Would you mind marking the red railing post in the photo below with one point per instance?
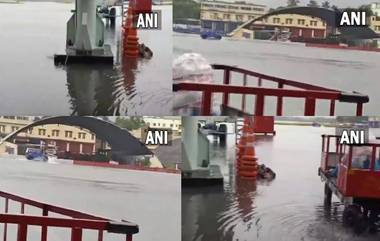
(22, 232)
(100, 235)
(206, 103)
(332, 107)
(5, 224)
(226, 81)
(76, 234)
(129, 237)
(309, 107)
(45, 212)
(22, 208)
(259, 105)
(359, 109)
(279, 101)
(243, 100)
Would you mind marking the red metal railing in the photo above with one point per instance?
(76, 221)
(310, 93)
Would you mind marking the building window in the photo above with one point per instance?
(215, 15)
(171, 125)
(14, 128)
(289, 21)
(239, 17)
(41, 132)
(246, 8)
(163, 125)
(276, 20)
(313, 23)
(55, 133)
(154, 124)
(226, 16)
(92, 136)
(2, 128)
(68, 134)
(301, 21)
(81, 135)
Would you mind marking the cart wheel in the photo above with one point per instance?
(351, 214)
(353, 217)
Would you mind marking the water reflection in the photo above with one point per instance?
(101, 89)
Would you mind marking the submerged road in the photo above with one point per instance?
(290, 208)
(152, 200)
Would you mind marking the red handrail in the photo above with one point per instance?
(77, 221)
(310, 93)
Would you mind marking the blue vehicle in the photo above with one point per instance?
(35, 154)
(209, 34)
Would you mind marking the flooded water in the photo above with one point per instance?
(32, 32)
(337, 69)
(290, 208)
(136, 196)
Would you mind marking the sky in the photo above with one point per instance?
(339, 3)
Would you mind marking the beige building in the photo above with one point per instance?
(224, 16)
(375, 23)
(297, 25)
(172, 123)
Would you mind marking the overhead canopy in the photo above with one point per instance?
(120, 140)
(328, 15)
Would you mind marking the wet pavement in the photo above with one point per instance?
(32, 32)
(331, 68)
(290, 208)
(150, 199)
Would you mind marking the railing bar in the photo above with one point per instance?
(76, 234)
(279, 101)
(5, 224)
(22, 208)
(332, 107)
(226, 81)
(309, 107)
(359, 109)
(22, 232)
(206, 103)
(243, 100)
(44, 228)
(100, 235)
(128, 237)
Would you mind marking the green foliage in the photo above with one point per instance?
(313, 3)
(186, 9)
(130, 123)
(293, 3)
(326, 4)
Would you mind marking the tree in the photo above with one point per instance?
(326, 4)
(293, 3)
(367, 9)
(131, 123)
(312, 3)
(183, 9)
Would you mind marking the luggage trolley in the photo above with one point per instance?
(352, 173)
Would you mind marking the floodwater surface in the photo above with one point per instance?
(151, 200)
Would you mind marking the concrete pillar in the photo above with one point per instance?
(190, 142)
(85, 35)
